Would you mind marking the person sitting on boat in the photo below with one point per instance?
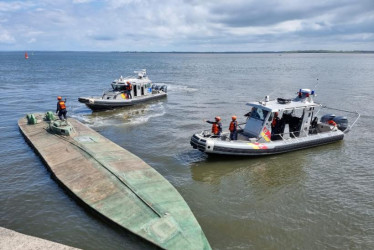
(61, 108)
(233, 128)
(128, 90)
(216, 126)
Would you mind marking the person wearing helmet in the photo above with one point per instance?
(216, 126)
(233, 129)
(61, 108)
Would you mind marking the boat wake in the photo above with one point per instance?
(131, 116)
(154, 110)
(179, 88)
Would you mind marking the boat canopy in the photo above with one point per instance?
(276, 105)
(140, 80)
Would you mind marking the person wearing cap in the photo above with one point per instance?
(233, 128)
(216, 126)
(61, 108)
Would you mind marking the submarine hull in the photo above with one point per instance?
(115, 184)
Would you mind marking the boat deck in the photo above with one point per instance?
(116, 184)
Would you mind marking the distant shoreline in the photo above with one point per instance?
(210, 52)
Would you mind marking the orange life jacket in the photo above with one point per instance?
(62, 104)
(129, 86)
(233, 126)
(331, 122)
(215, 129)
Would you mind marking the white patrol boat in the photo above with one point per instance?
(126, 91)
(278, 126)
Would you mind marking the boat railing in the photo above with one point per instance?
(208, 134)
(127, 77)
(293, 135)
(347, 111)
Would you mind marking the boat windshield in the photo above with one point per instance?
(259, 114)
(118, 87)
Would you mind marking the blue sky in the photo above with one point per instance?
(186, 25)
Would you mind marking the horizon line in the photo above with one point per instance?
(202, 52)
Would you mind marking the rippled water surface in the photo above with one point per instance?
(318, 198)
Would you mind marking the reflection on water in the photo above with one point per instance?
(260, 171)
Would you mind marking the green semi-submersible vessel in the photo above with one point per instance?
(113, 182)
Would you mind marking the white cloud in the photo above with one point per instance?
(32, 40)
(81, 1)
(123, 3)
(6, 37)
(15, 6)
(185, 25)
(280, 28)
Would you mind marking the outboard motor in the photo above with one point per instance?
(164, 88)
(327, 118)
(341, 122)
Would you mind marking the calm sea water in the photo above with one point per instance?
(318, 198)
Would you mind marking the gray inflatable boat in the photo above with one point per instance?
(298, 125)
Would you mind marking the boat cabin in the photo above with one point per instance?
(140, 86)
(277, 119)
(126, 91)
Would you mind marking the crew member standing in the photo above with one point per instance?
(275, 127)
(233, 129)
(216, 126)
(61, 108)
(128, 90)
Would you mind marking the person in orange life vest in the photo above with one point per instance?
(216, 126)
(128, 90)
(331, 122)
(233, 128)
(61, 108)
